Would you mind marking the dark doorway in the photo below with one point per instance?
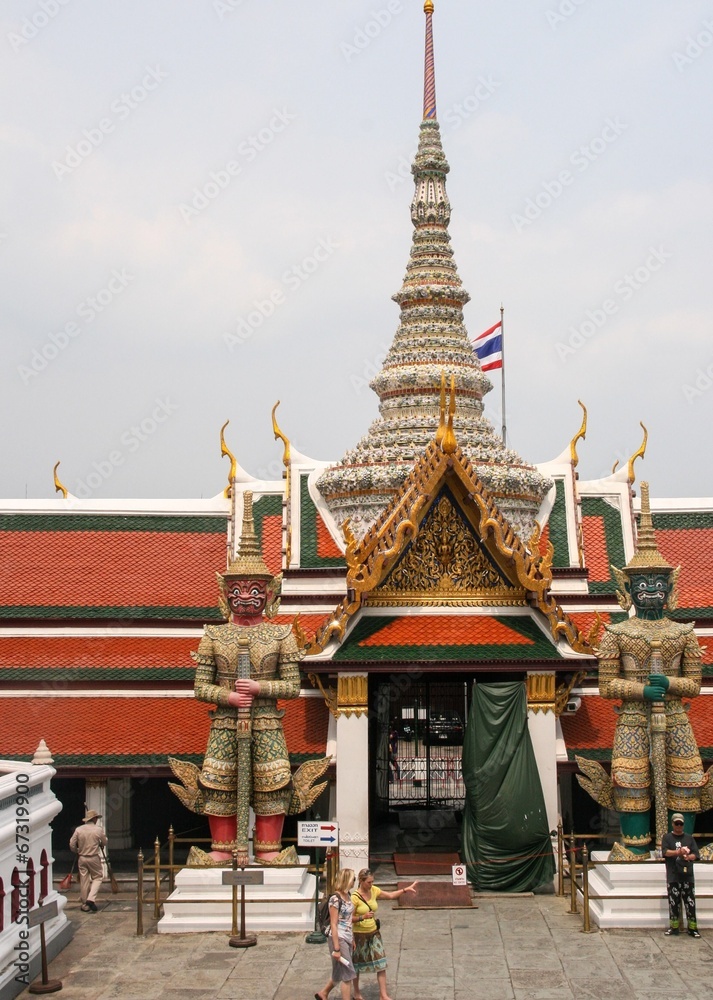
(417, 743)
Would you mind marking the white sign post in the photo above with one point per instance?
(459, 875)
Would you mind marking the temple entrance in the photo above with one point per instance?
(416, 752)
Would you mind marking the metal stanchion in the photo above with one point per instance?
(560, 859)
(171, 881)
(573, 875)
(586, 927)
(140, 896)
(157, 878)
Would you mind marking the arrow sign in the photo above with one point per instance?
(311, 834)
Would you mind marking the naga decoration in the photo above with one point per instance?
(243, 667)
(650, 663)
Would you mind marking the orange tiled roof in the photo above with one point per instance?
(446, 630)
(592, 727)
(309, 623)
(271, 542)
(125, 730)
(46, 569)
(445, 638)
(585, 619)
(595, 548)
(692, 549)
(84, 656)
(326, 546)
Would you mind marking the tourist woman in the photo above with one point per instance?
(340, 936)
(369, 954)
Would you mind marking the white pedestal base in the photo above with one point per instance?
(641, 882)
(185, 910)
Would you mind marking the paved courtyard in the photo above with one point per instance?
(510, 948)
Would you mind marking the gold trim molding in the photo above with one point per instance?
(541, 692)
(352, 693)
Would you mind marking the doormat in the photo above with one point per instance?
(425, 863)
(436, 896)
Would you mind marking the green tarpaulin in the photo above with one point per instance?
(506, 841)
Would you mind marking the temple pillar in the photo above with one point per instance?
(117, 821)
(95, 798)
(352, 793)
(542, 724)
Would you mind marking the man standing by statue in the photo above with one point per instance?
(649, 662)
(243, 667)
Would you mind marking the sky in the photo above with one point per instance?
(205, 210)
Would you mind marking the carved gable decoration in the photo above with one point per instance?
(445, 563)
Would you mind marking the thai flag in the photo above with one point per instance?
(488, 348)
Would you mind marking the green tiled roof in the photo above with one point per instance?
(309, 556)
(430, 639)
(614, 540)
(557, 525)
(203, 524)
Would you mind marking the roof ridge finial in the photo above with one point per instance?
(429, 69)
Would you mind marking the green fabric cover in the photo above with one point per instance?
(506, 841)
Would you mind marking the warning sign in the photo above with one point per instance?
(459, 876)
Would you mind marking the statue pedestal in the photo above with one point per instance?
(187, 909)
(644, 885)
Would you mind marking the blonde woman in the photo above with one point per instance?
(341, 936)
(369, 954)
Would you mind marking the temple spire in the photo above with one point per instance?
(430, 342)
(429, 70)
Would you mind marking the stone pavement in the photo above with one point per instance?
(510, 948)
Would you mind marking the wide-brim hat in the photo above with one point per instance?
(92, 814)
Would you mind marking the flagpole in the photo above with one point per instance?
(502, 369)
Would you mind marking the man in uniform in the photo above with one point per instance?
(88, 842)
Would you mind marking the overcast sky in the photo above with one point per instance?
(205, 209)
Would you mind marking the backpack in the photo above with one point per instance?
(323, 921)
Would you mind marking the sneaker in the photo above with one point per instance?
(92, 906)
(693, 933)
(671, 932)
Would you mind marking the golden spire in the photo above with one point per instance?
(225, 450)
(580, 435)
(440, 433)
(449, 439)
(428, 7)
(647, 557)
(248, 564)
(637, 454)
(58, 486)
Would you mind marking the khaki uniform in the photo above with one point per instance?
(86, 842)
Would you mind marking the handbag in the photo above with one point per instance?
(684, 866)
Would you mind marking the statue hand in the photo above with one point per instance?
(247, 687)
(654, 692)
(659, 680)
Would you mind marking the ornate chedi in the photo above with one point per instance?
(650, 663)
(431, 339)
